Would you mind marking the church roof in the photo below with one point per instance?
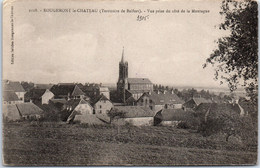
(139, 81)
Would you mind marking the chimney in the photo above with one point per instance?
(158, 92)
(172, 92)
(164, 91)
(150, 92)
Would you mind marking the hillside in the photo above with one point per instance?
(60, 144)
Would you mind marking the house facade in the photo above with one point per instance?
(39, 96)
(160, 100)
(134, 115)
(77, 107)
(102, 105)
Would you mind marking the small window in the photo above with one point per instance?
(94, 112)
(100, 106)
(100, 111)
(150, 101)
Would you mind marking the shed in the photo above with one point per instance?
(135, 115)
(172, 117)
(30, 111)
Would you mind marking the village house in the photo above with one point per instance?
(76, 109)
(134, 115)
(9, 97)
(160, 100)
(93, 90)
(22, 111)
(131, 87)
(195, 102)
(67, 91)
(174, 117)
(16, 87)
(37, 96)
(101, 105)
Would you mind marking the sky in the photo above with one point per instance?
(168, 48)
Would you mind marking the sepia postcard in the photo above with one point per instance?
(129, 83)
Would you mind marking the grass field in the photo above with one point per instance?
(50, 143)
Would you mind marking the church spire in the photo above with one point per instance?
(122, 59)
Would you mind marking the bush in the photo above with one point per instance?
(183, 125)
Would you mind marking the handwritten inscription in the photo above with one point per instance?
(142, 18)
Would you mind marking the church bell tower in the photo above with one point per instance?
(122, 80)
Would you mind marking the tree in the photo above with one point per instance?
(225, 119)
(236, 58)
(116, 114)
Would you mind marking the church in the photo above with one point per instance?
(131, 88)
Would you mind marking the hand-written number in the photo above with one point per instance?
(142, 18)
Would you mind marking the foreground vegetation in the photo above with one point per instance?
(50, 143)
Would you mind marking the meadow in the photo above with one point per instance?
(60, 144)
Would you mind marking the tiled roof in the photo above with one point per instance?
(174, 115)
(48, 107)
(29, 109)
(88, 119)
(62, 101)
(135, 111)
(201, 100)
(167, 98)
(73, 103)
(14, 86)
(139, 80)
(98, 98)
(10, 96)
(65, 89)
(130, 100)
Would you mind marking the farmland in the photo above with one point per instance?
(50, 143)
